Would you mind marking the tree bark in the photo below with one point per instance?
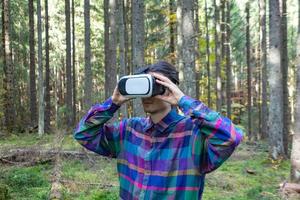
(197, 49)
(73, 63)
(47, 69)
(172, 12)
(138, 43)
(68, 65)
(122, 50)
(88, 84)
(40, 69)
(33, 102)
(275, 81)
(111, 68)
(228, 59)
(106, 42)
(284, 67)
(8, 69)
(217, 55)
(249, 71)
(188, 48)
(179, 39)
(263, 44)
(207, 56)
(295, 154)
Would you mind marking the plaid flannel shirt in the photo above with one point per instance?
(166, 160)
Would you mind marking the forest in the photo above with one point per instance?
(241, 58)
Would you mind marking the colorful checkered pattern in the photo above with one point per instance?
(166, 160)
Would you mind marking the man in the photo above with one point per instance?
(166, 155)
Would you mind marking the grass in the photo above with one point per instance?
(230, 182)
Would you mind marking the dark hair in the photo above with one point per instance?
(162, 67)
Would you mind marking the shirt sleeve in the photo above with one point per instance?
(95, 134)
(217, 137)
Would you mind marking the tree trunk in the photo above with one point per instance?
(73, 62)
(188, 48)
(223, 48)
(217, 55)
(179, 39)
(197, 49)
(249, 71)
(40, 69)
(47, 69)
(207, 55)
(8, 71)
(228, 60)
(263, 44)
(88, 84)
(123, 66)
(138, 43)
(284, 67)
(68, 65)
(275, 81)
(106, 43)
(172, 13)
(295, 154)
(33, 102)
(111, 68)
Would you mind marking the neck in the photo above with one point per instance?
(156, 117)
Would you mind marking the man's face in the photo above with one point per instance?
(154, 105)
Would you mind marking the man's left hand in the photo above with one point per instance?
(173, 93)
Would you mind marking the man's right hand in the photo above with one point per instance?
(117, 98)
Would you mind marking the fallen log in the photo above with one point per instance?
(19, 154)
(56, 186)
(27, 163)
(99, 185)
(290, 187)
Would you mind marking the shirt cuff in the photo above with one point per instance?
(113, 107)
(185, 103)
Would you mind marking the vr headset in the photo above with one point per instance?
(141, 85)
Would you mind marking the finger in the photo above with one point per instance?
(168, 85)
(162, 77)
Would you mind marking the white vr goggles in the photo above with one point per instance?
(142, 85)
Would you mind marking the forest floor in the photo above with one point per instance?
(248, 174)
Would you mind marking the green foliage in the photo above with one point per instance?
(27, 183)
(4, 192)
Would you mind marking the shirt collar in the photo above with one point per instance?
(165, 122)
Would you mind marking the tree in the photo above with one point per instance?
(73, 62)
(8, 68)
(33, 102)
(249, 71)
(172, 13)
(217, 54)
(197, 48)
(207, 55)
(106, 42)
(40, 70)
(284, 67)
(228, 60)
(68, 65)
(295, 154)
(111, 68)
(88, 84)
(275, 82)
(122, 50)
(263, 46)
(47, 69)
(188, 48)
(138, 43)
